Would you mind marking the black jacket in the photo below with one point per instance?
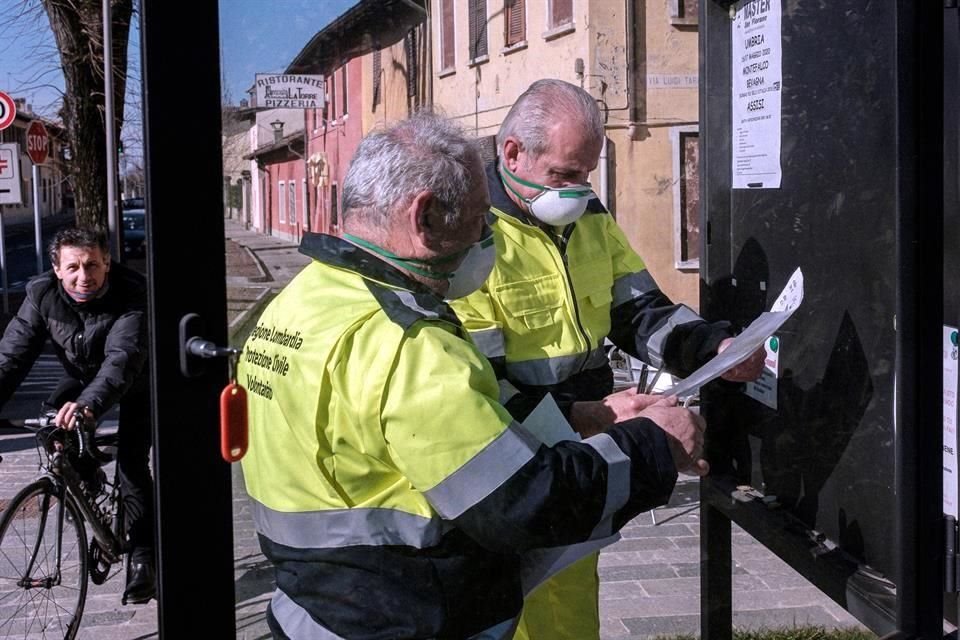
(101, 342)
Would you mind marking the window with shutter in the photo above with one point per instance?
(332, 102)
(514, 22)
(410, 49)
(343, 90)
(447, 49)
(478, 28)
(561, 13)
(376, 77)
(684, 12)
(686, 196)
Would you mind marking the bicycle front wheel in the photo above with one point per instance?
(43, 586)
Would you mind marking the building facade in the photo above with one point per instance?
(637, 58)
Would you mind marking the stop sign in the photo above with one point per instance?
(38, 142)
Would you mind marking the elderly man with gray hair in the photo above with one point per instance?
(566, 280)
(394, 494)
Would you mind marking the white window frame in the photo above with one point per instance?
(555, 31)
(676, 134)
(344, 93)
(303, 195)
(282, 201)
(441, 71)
(292, 196)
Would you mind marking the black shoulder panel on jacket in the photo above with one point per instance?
(407, 307)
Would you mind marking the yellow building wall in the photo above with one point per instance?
(641, 166)
(667, 98)
(394, 103)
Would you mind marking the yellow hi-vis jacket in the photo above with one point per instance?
(393, 493)
(541, 318)
(552, 298)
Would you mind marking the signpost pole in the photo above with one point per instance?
(38, 242)
(113, 222)
(3, 266)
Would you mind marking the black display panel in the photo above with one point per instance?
(835, 463)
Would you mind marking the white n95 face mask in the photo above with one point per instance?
(477, 263)
(556, 206)
(475, 268)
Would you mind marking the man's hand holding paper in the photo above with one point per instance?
(746, 348)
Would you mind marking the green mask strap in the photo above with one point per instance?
(420, 267)
(563, 192)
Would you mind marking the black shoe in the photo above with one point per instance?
(141, 583)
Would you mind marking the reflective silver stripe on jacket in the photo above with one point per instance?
(337, 528)
(298, 624)
(658, 340)
(507, 391)
(618, 480)
(632, 285)
(489, 342)
(483, 473)
(548, 371)
(411, 302)
(500, 631)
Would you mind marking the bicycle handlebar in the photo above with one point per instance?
(86, 433)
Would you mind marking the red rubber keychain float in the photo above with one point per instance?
(233, 415)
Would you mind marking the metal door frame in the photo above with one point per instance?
(186, 274)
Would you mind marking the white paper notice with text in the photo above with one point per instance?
(743, 346)
(756, 70)
(950, 421)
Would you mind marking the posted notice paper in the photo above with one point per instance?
(756, 70)
(752, 338)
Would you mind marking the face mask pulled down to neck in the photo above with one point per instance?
(472, 272)
(556, 206)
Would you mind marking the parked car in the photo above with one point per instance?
(134, 203)
(134, 233)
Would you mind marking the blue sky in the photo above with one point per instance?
(256, 36)
(263, 36)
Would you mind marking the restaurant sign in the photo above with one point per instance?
(289, 91)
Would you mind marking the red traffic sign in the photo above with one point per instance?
(8, 111)
(38, 142)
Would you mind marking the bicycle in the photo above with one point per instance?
(45, 560)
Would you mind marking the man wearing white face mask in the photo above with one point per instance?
(395, 496)
(566, 279)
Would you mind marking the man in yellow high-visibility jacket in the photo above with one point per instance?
(394, 494)
(566, 279)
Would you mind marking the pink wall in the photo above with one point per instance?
(337, 138)
(286, 172)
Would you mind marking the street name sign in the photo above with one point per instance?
(38, 142)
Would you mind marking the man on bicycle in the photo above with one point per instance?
(94, 314)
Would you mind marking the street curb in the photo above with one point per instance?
(264, 276)
(239, 327)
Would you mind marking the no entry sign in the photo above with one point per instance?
(38, 142)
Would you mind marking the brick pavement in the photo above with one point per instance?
(649, 580)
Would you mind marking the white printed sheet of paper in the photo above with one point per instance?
(764, 389)
(950, 370)
(757, 76)
(747, 342)
(547, 423)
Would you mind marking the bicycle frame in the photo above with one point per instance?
(66, 481)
